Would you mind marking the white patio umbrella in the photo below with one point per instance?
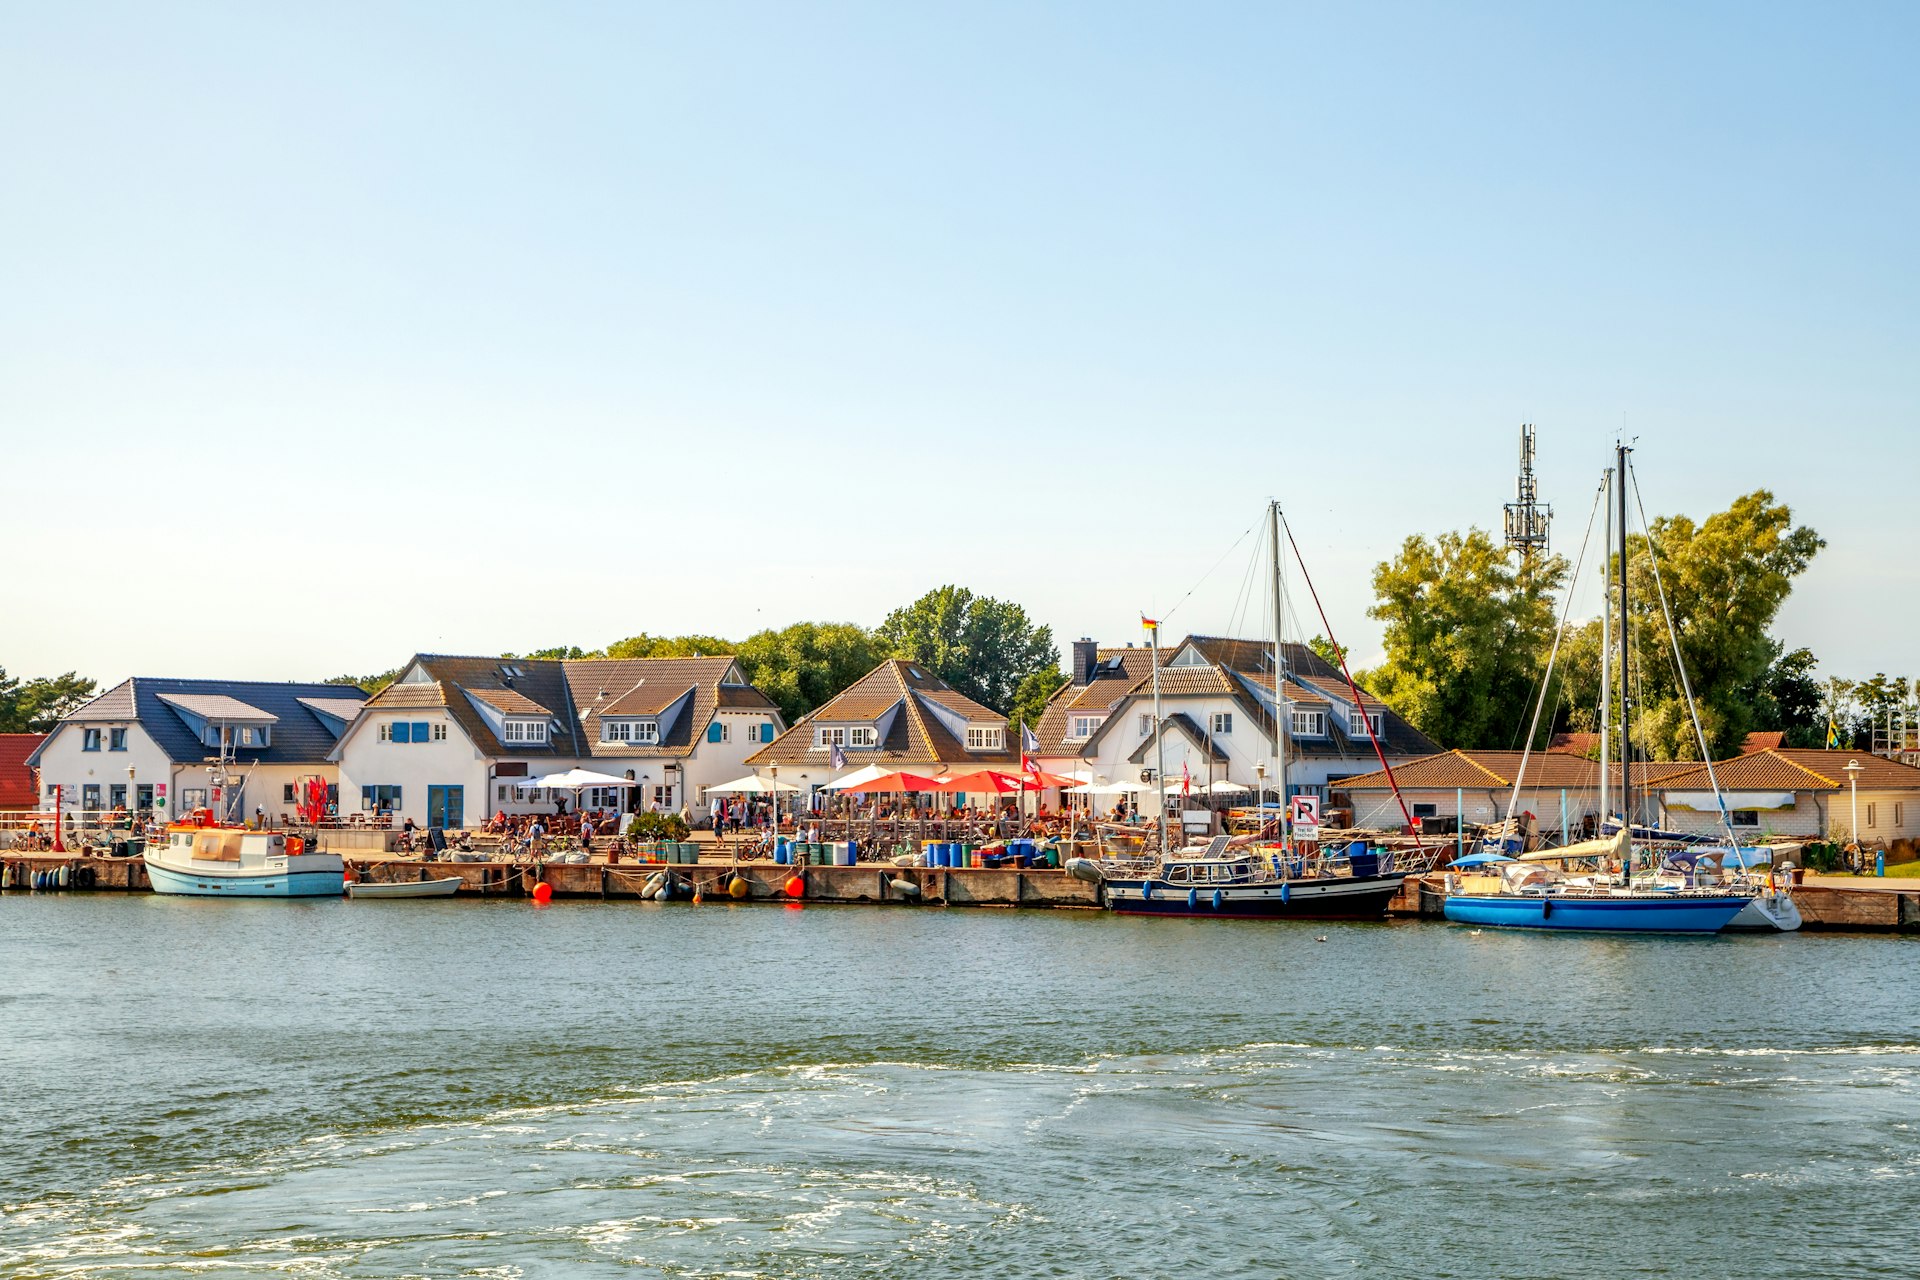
(752, 784)
(1120, 788)
(858, 777)
(576, 779)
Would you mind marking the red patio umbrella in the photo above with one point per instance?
(987, 780)
(893, 783)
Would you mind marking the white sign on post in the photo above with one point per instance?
(1306, 817)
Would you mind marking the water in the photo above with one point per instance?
(440, 1089)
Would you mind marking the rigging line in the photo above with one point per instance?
(1553, 654)
(1203, 577)
(1686, 685)
(1352, 688)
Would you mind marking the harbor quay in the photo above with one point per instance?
(1826, 902)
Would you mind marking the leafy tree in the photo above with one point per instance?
(1328, 652)
(803, 665)
(1877, 699)
(372, 684)
(559, 652)
(981, 646)
(646, 646)
(1788, 698)
(36, 705)
(1031, 698)
(1466, 637)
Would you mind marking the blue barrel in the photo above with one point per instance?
(943, 852)
(934, 854)
(780, 851)
(853, 852)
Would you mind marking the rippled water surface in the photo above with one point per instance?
(490, 1089)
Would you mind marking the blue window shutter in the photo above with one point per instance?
(420, 731)
(766, 732)
(713, 732)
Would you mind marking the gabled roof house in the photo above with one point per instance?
(146, 743)
(453, 738)
(897, 716)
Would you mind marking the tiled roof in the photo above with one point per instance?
(1797, 769)
(1763, 740)
(541, 682)
(338, 708)
(1478, 770)
(215, 706)
(17, 787)
(510, 702)
(1232, 665)
(916, 736)
(300, 736)
(648, 687)
(1185, 724)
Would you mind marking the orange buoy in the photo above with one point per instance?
(738, 887)
(543, 892)
(796, 887)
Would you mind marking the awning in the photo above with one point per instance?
(866, 773)
(753, 784)
(575, 779)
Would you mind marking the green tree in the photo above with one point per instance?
(803, 665)
(559, 652)
(1330, 653)
(372, 684)
(1031, 698)
(36, 705)
(646, 646)
(1466, 637)
(981, 646)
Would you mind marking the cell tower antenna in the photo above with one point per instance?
(1528, 519)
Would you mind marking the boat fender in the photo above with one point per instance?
(905, 888)
(738, 887)
(653, 884)
(1286, 892)
(1146, 891)
(1193, 899)
(1217, 899)
(1084, 869)
(66, 875)
(1546, 907)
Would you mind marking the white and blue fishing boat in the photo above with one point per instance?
(207, 860)
(1527, 893)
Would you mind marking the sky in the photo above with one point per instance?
(334, 333)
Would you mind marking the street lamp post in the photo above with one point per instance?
(1853, 785)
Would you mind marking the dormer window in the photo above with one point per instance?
(830, 736)
(1080, 728)
(986, 739)
(1357, 724)
(861, 736)
(525, 731)
(251, 736)
(1309, 724)
(640, 731)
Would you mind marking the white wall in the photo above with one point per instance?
(414, 766)
(62, 762)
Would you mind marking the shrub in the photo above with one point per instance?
(1820, 856)
(656, 826)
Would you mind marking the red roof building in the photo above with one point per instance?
(19, 788)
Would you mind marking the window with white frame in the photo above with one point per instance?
(525, 731)
(1223, 722)
(439, 731)
(860, 736)
(646, 731)
(1080, 728)
(1358, 724)
(386, 731)
(616, 731)
(829, 736)
(1309, 724)
(986, 739)
(753, 732)
(1146, 722)
(1873, 815)
(725, 731)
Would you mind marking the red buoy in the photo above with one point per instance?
(543, 892)
(796, 887)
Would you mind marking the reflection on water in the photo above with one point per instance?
(433, 1089)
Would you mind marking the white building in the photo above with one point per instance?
(1216, 702)
(147, 744)
(453, 739)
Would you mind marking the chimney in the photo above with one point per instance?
(1085, 654)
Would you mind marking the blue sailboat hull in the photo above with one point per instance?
(1643, 914)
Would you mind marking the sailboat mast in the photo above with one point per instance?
(1159, 735)
(1606, 659)
(1279, 676)
(1626, 710)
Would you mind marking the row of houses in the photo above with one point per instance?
(456, 738)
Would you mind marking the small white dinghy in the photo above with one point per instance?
(442, 888)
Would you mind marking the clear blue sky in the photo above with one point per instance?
(482, 327)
